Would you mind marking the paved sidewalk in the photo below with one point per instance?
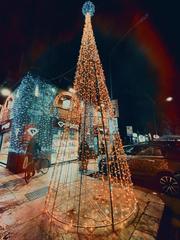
(21, 206)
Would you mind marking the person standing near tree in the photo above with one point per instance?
(32, 152)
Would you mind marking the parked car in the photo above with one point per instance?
(168, 138)
(157, 161)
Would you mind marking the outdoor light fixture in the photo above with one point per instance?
(5, 92)
(169, 99)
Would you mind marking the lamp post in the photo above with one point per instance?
(169, 99)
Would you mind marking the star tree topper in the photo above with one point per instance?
(88, 7)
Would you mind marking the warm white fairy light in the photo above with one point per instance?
(108, 200)
(85, 81)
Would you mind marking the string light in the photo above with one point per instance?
(88, 69)
(32, 109)
(114, 202)
(36, 92)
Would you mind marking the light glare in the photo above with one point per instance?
(169, 99)
(5, 92)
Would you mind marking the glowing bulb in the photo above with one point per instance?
(5, 92)
(36, 92)
(169, 99)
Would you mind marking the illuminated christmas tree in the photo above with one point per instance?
(93, 194)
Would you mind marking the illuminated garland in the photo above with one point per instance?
(91, 89)
(32, 109)
(76, 201)
(88, 69)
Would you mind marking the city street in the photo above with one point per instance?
(89, 120)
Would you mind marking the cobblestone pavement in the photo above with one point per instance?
(21, 207)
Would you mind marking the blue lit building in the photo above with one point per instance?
(33, 115)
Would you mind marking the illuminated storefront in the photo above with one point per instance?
(32, 119)
(17, 132)
(36, 109)
(65, 148)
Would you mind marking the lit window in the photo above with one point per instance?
(66, 104)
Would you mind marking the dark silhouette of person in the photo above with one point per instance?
(33, 151)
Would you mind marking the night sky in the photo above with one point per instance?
(143, 64)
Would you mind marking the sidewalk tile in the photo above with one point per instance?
(138, 235)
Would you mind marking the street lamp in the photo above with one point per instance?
(169, 99)
(5, 92)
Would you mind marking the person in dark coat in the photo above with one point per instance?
(33, 151)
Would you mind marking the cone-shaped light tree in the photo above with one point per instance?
(95, 192)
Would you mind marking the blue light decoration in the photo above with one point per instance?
(88, 7)
(33, 109)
